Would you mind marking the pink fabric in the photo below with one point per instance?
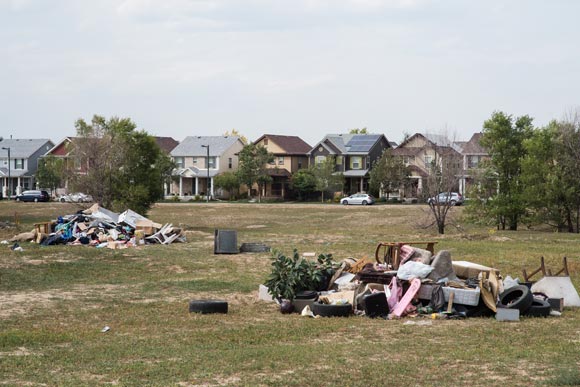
(396, 293)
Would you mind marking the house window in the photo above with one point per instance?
(178, 162)
(18, 163)
(428, 160)
(280, 160)
(195, 161)
(230, 163)
(473, 161)
(320, 159)
(408, 160)
(368, 163)
(356, 162)
(299, 164)
(338, 160)
(211, 162)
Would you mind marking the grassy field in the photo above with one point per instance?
(55, 300)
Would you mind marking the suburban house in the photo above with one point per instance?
(19, 162)
(290, 155)
(354, 156)
(167, 144)
(473, 156)
(199, 159)
(420, 152)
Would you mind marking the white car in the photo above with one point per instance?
(363, 199)
(77, 197)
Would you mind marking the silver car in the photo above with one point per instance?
(363, 199)
(453, 198)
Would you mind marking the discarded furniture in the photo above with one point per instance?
(43, 227)
(542, 268)
(225, 242)
(558, 285)
(390, 252)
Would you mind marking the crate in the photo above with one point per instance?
(462, 296)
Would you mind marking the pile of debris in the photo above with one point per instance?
(99, 227)
(409, 281)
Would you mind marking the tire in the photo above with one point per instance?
(35, 200)
(364, 203)
(453, 202)
(539, 308)
(518, 297)
(326, 310)
(208, 306)
(345, 202)
(62, 200)
(17, 199)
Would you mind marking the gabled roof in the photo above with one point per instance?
(61, 148)
(436, 140)
(473, 147)
(292, 145)
(167, 144)
(192, 145)
(24, 148)
(345, 144)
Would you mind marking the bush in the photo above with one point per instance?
(291, 275)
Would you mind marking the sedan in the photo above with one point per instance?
(33, 196)
(453, 198)
(363, 199)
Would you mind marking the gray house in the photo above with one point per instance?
(201, 157)
(354, 155)
(19, 162)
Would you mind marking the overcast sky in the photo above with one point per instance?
(300, 67)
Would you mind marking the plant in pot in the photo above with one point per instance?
(293, 274)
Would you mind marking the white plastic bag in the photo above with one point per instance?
(413, 269)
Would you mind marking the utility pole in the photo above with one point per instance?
(9, 179)
(207, 166)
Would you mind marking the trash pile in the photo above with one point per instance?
(410, 281)
(99, 227)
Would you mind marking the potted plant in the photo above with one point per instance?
(292, 274)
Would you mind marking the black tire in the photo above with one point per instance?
(345, 202)
(518, 297)
(364, 203)
(17, 199)
(35, 200)
(208, 306)
(326, 310)
(62, 200)
(539, 308)
(453, 202)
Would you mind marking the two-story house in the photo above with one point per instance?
(473, 156)
(201, 158)
(290, 155)
(354, 155)
(420, 152)
(19, 162)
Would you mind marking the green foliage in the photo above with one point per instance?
(388, 174)
(252, 167)
(228, 181)
(304, 182)
(358, 131)
(325, 177)
(51, 172)
(291, 275)
(504, 138)
(124, 168)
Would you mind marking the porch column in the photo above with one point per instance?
(211, 188)
(196, 186)
(361, 184)
(18, 187)
(420, 185)
(180, 186)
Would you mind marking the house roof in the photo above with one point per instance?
(437, 140)
(194, 172)
(192, 145)
(167, 144)
(292, 145)
(355, 173)
(24, 148)
(350, 143)
(473, 146)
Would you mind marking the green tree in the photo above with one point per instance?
(388, 174)
(358, 131)
(123, 167)
(304, 182)
(326, 178)
(228, 181)
(50, 172)
(252, 167)
(504, 137)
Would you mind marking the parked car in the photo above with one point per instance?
(33, 196)
(77, 197)
(453, 198)
(363, 199)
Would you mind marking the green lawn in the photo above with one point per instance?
(54, 301)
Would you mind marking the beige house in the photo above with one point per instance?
(290, 155)
(199, 159)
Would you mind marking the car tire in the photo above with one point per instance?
(325, 310)
(208, 306)
(539, 308)
(17, 199)
(35, 200)
(345, 202)
(453, 202)
(518, 297)
(364, 203)
(62, 200)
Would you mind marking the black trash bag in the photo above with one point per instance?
(437, 298)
